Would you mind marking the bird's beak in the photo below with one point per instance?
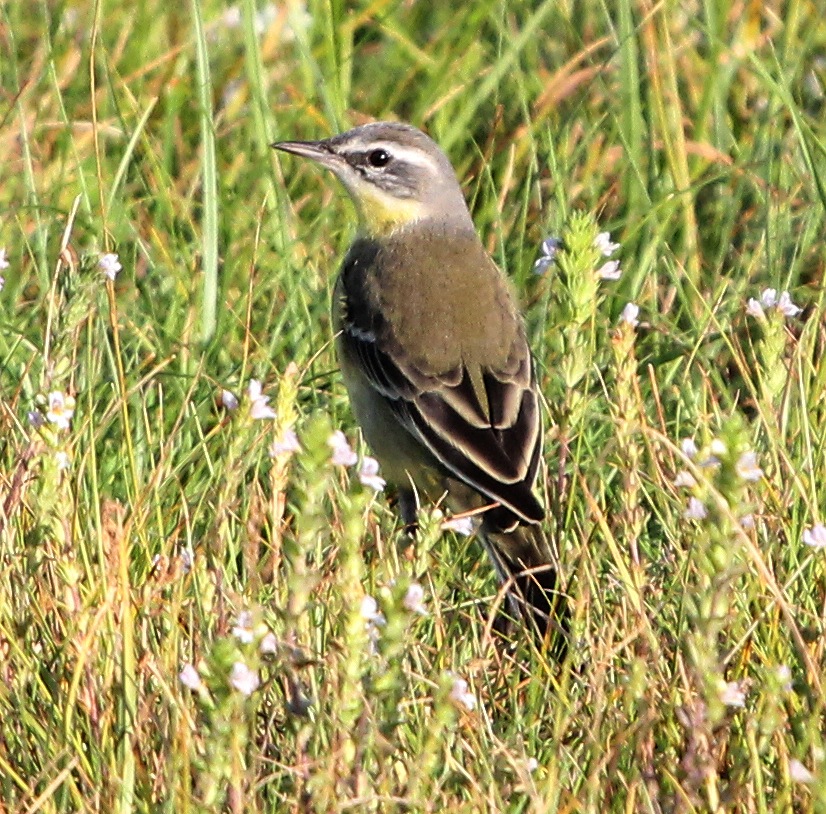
(318, 151)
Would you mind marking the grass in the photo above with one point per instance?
(157, 531)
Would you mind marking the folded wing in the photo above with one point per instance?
(481, 424)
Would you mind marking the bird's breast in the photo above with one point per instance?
(443, 301)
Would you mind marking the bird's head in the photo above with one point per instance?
(395, 174)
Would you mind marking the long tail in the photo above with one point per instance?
(524, 560)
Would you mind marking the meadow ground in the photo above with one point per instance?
(202, 610)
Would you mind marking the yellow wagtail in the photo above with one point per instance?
(434, 354)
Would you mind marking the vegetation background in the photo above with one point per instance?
(194, 620)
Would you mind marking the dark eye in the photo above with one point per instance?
(378, 158)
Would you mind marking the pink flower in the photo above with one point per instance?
(343, 454)
(610, 270)
(189, 678)
(259, 409)
(287, 444)
(604, 244)
(461, 695)
(110, 265)
(369, 474)
(243, 679)
(629, 314)
(815, 537)
(696, 510)
(414, 599)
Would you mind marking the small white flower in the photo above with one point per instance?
(629, 314)
(799, 773)
(696, 510)
(243, 679)
(718, 447)
(685, 479)
(268, 644)
(755, 309)
(2, 282)
(343, 455)
(259, 409)
(4, 263)
(604, 244)
(747, 521)
(232, 17)
(298, 21)
(61, 409)
(369, 474)
(610, 270)
(550, 247)
(370, 612)
(229, 400)
(747, 467)
(461, 695)
(532, 765)
(243, 628)
(414, 599)
(110, 265)
(786, 306)
(63, 461)
(463, 525)
(732, 694)
(287, 444)
(768, 299)
(784, 677)
(815, 536)
(187, 558)
(265, 18)
(689, 447)
(190, 678)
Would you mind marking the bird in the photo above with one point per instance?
(435, 357)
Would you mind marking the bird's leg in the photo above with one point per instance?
(409, 511)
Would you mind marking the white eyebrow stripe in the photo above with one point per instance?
(410, 155)
(400, 152)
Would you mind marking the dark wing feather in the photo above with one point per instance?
(499, 461)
